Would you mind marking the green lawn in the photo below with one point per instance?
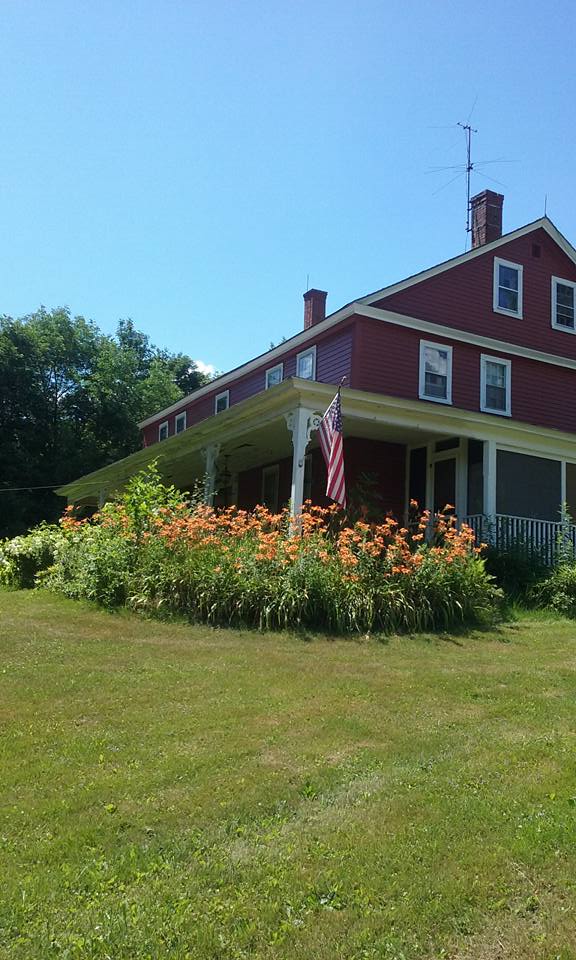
(169, 791)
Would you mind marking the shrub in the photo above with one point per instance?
(558, 591)
(154, 552)
(516, 570)
(24, 558)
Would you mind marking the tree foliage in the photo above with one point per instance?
(70, 401)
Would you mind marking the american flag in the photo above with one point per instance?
(330, 432)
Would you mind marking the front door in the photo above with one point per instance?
(444, 484)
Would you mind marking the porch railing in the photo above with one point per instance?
(546, 539)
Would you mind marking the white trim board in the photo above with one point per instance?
(463, 336)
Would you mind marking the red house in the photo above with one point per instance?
(456, 385)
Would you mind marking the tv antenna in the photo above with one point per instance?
(468, 131)
(467, 169)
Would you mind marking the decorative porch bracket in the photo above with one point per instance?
(210, 456)
(301, 422)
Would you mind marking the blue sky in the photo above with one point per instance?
(189, 164)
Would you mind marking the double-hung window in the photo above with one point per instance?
(180, 422)
(222, 401)
(495, 385)
(563, 302)
(306, 364)
(163, 431)
(435, 372)
(274, 375)
(507, 288)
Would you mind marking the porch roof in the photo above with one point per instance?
(370, 415)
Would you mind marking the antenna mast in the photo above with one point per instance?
(468, 131)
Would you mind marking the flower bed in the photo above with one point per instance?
(152, 550)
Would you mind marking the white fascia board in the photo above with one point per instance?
(438, 330)
(544, 223)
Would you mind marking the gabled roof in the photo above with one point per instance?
(301, 338)
(544, 223)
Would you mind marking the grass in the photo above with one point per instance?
(170, 791)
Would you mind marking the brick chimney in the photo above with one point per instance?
(314, 307)
(486, 217)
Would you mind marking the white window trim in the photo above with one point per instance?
(270, 370)
(422, 373)
(304, 353)
(274, 471)
(498, 262)
(555, 324)
(180, 416)
(484, 358)
(160, 427)
(221, 396)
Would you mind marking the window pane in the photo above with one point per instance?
(305, 366)
(508, 288)
(508, 299)
(495, 374)
(564, 305)
(436, 361)
(495, 397)
(222, 403)
(273, 377)
(508, 278)
(436, 386)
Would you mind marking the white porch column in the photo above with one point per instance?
(210, 455)
(301, 422)
(489, 485)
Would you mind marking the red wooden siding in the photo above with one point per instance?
(462, 297)
(385, 461)
(333, 361)
(387, 361)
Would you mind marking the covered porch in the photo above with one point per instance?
(507, 479)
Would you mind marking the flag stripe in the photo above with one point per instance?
(332, 446)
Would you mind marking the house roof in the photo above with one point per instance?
(305, 336)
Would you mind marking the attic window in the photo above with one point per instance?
(180, 422)
(222, 402)
(274, 375)
(163, 431)
(306, 364)
(563, 303)
(507, 288)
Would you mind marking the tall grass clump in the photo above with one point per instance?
(151, 550)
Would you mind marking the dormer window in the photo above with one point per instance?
(163, 431)
(563, 302)
(507, 288)
(222, 402)
(306, 364)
